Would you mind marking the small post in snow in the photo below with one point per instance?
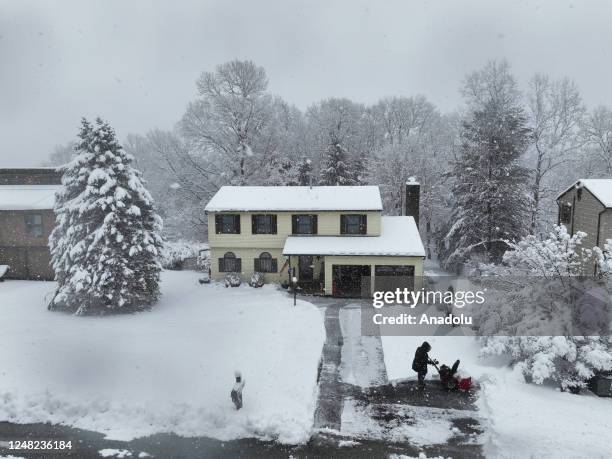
(294, 281)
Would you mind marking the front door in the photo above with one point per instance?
(306, 268)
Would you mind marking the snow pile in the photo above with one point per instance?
(167, 370)
(110, 452)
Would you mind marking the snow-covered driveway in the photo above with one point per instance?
(167, 370)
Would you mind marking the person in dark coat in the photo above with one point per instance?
(420, 362)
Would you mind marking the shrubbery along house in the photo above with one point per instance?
(333, 239)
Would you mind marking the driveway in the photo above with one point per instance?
(358, 407)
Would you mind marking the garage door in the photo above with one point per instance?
(392, 277)
(27, 262)
(351, 281)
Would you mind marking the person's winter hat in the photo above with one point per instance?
(426, 345)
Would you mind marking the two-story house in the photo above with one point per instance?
(333, 239)
(587, 206)
(27, 197)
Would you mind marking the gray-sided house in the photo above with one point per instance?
(27, 197)
(587, 206)
(333, 239)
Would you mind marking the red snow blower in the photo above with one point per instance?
(450, 380)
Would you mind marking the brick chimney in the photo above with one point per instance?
(411, 199)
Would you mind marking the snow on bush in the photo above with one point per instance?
(174, 253)
(539, 306)
(106, 244)
(257, 280)
(232, 280)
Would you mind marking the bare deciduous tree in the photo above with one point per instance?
(556, 111)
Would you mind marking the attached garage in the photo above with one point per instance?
(359, 265)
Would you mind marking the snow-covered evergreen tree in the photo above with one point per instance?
(106, 245)
(490, 185)
(335, 167)
(303, 172)
(547, 324)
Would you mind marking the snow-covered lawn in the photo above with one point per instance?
(167, 370)
(524, 420)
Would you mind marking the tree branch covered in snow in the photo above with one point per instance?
(552, 312)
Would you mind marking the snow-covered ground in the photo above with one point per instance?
(167, 370)
(523, 420)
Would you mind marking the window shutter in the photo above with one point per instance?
(221, 265)
(237, 223)
(274, 265)
(253, 224)
(257, 265)
(274, 231)
(342, 224)
(364, 224)
(294, 224)
(218, 223)
(239, 265)
(314, 224)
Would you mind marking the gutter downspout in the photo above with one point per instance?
(573, 214)
(598, 233)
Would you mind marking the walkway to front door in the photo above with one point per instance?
(305, 268)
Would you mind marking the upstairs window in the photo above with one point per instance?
(265, 263)
(33, 225)
(304, 224)
(565, 213)
(229, 263)
(353, 224)
(227, 224)
(263, 224)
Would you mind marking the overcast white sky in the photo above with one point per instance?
(135, 62)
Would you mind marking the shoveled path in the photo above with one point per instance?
(328, 412)
(353, 370)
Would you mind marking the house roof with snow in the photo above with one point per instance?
(600, 188)
(295, 198)
(27, 197)
(399, 237)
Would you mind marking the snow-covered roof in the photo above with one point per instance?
(399, 238)
(295, 198)
(27, 197)
(600, 188)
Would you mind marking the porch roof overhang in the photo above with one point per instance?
(399, 238)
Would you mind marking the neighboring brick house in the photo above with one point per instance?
(333, 238)
(587, 206)
(26, 221)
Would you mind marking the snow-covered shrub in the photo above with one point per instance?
(106, 244)
(543, 304)
(174, 253)
(257, 279)
(203, 260)
(232, 280)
